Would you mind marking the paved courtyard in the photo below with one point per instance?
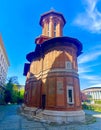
(10, 120)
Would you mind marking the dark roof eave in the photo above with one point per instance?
(26, 68)
(52, 12)
(75, 41)
(50, 43)
(29, 56)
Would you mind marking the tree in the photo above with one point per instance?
(7, 96)
(12, 92)
(20, 96)
(89, 97)
(83, 97)
(13, 80)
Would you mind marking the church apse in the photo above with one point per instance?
(52, 80)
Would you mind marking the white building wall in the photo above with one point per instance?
(94, 92)
(4, 63)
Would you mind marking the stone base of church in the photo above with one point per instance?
(64, 116)
(53, 116)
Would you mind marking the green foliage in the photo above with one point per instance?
(97, 101)
(92, 107)
(13, 93)
(7, 96)
(89, 98)
(20, 96)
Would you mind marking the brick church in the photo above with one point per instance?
(52, 80)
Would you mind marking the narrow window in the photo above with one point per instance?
(54, 26)
(48, 26)
(54, 29)
(70, 95)
(48, 29)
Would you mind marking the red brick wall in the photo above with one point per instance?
(45, 74)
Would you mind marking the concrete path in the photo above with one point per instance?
(10, 120)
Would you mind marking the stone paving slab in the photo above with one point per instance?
(10, 120)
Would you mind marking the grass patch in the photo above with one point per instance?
(94, 107)
(97, 102)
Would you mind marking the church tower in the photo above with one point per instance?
(52, 24)
(52, 80)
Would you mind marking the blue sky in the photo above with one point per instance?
(19, 26)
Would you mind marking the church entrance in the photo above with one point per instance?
(43, 101)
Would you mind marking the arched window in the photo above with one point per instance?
(68, 65)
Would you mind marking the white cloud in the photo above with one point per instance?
(91, 18)
(83, 69)
(90, 77)
(91, 80)
(89, 57)
(96, 85)
(96, 81)
(89, 67)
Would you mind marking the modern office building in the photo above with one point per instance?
(52, 81)
(94, 92)
(4, 64)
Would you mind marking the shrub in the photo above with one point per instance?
(92, 107)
